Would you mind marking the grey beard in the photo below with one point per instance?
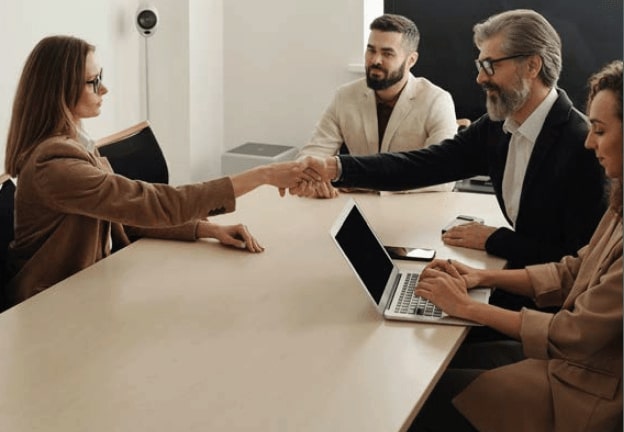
(505, 103)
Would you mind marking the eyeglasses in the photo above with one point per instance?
(488, 64)
(96, 82)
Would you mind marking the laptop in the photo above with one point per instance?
(391, 289)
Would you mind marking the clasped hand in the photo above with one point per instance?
(307, 177)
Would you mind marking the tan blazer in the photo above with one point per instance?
(70, 206)
(572, 380)
(424, 114)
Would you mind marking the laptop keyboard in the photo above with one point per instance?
(412, 304)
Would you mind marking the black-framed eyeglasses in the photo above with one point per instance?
(488, 64)
(96, 82)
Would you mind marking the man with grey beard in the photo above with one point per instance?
(530, 143)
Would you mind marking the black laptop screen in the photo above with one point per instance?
(366, 255)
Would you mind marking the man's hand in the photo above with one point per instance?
(286, 175)
(325, 168)
(282, 175)
(472, 235)
(317, 168)
(323, 190)
(307, 189)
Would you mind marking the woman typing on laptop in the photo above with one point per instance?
(565, 374)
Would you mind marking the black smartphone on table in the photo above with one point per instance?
(410, 253)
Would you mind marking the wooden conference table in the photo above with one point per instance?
(180, 336)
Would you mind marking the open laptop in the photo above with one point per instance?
(391, 290)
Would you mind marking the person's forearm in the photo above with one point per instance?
(502, 320)
(249, 180)
(204, 229)
(334, 168)
(513, 281)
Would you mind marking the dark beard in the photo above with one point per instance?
(390, 80)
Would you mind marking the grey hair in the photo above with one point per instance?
(525, 32)
(399, 24)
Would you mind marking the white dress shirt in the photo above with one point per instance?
(85, 139)
(521, 145)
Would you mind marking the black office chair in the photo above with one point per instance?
(7, 206)
(135, 153)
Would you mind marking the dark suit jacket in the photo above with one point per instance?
(562, 197)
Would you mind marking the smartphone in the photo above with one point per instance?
(460, 220)
(410, 253)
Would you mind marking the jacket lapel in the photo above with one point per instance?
(368, 115)
(401, 109)
(499, 142)
(613, 233)
(549, 134)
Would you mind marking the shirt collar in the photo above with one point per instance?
(532, 126)
(85, 139)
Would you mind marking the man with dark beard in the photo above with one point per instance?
(530, 143)
(390, 109)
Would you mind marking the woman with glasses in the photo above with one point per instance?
(71, 210)
(565, 374)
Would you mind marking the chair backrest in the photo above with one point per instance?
(7, 206)
(135, 153)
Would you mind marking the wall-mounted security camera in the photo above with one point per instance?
(146, 20)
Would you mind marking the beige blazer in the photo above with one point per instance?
(572, 379)
(70, 207)
(424, 114)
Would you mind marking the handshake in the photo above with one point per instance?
(306, 177)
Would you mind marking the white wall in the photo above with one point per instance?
(109, 25)
(106, 24)
(283, 61)
(206, 88)
(168, 82)
(221, 73)
(185, 80)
